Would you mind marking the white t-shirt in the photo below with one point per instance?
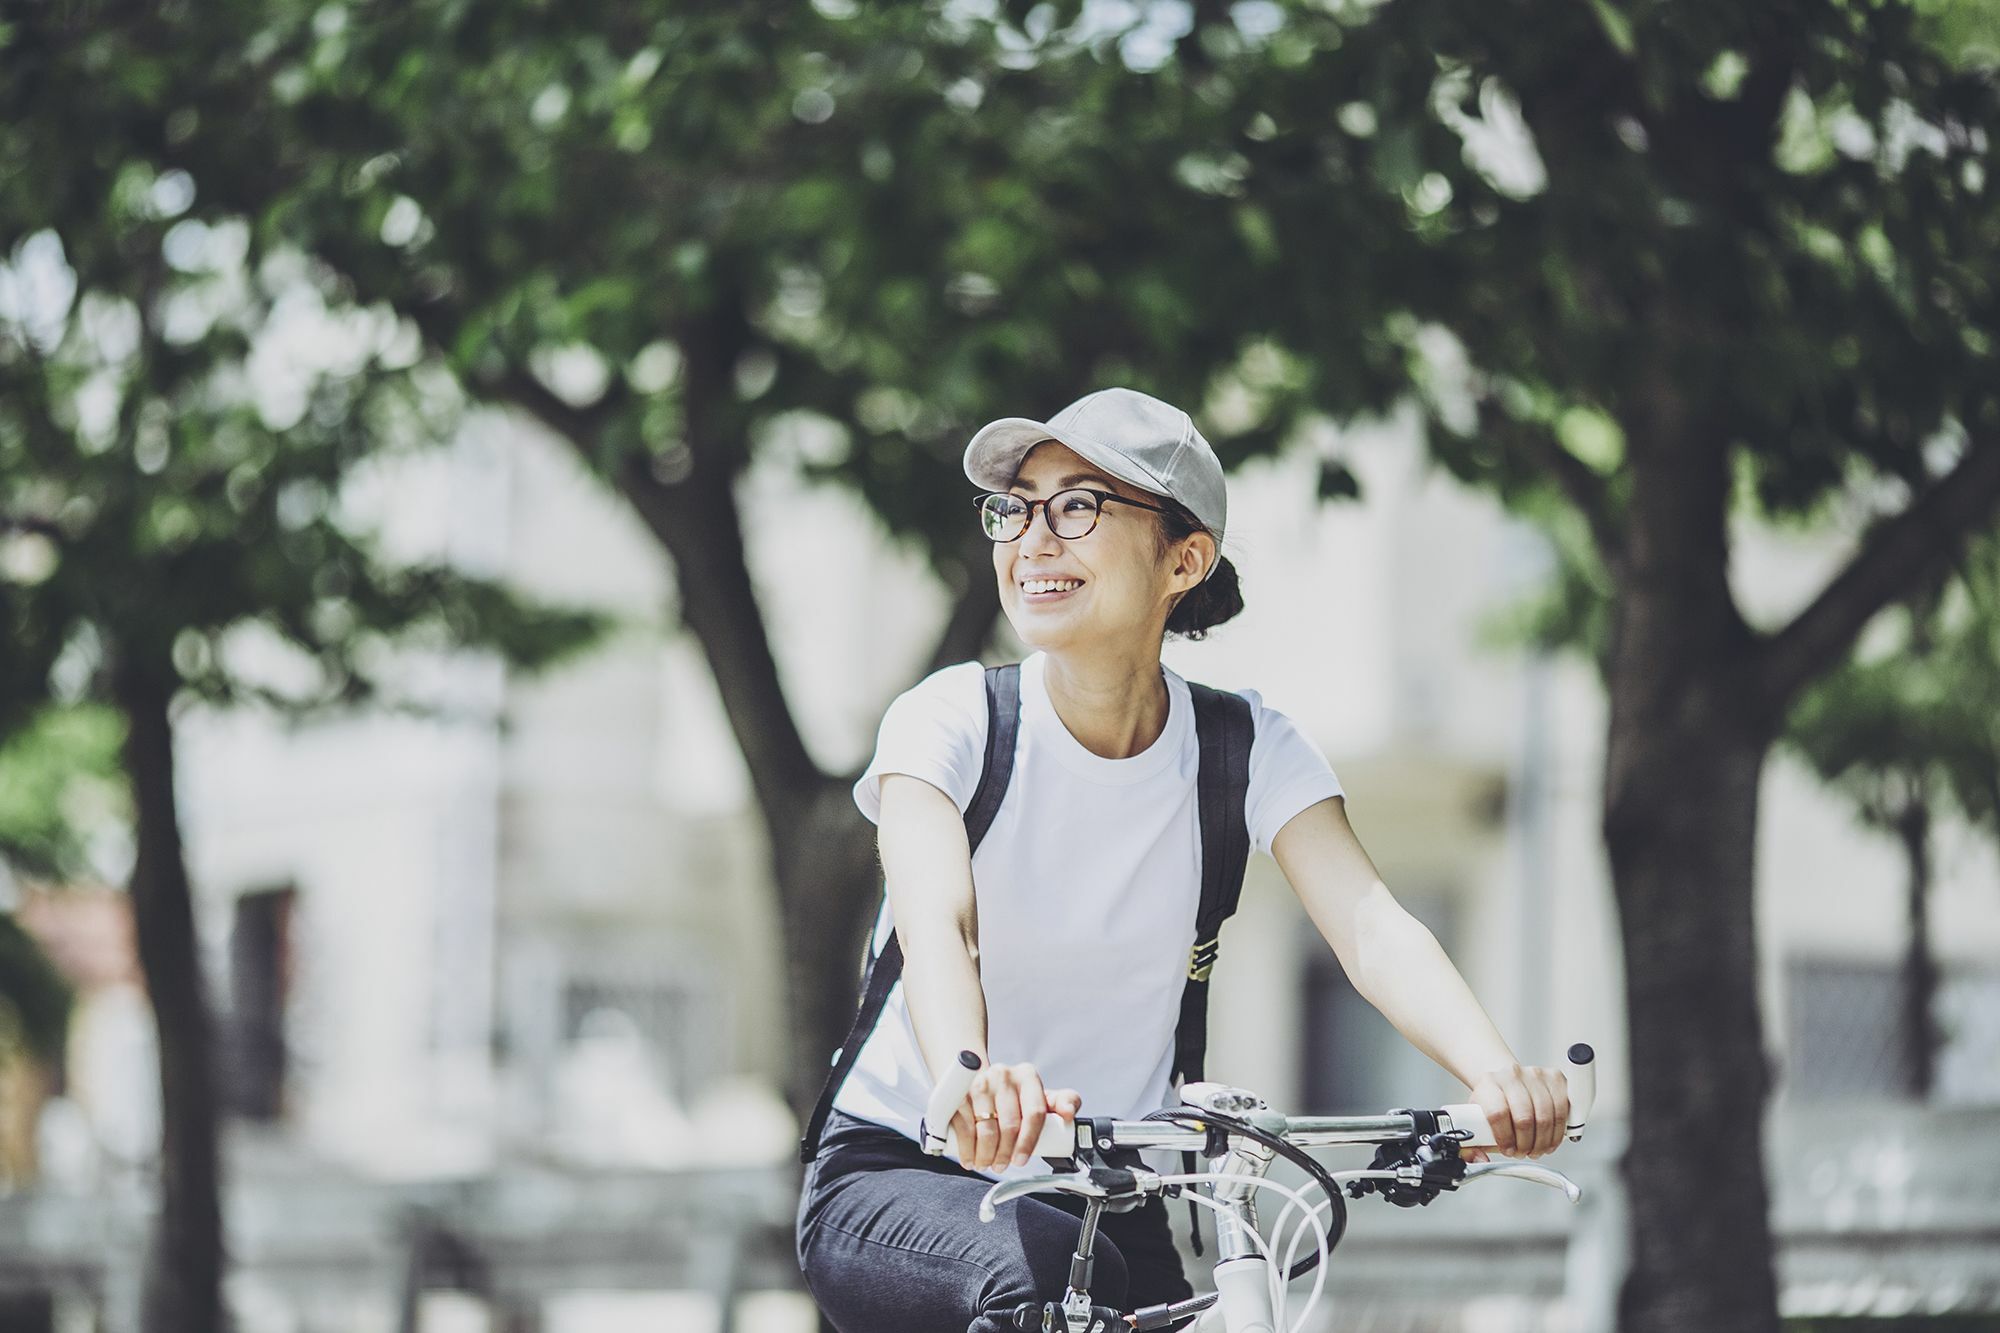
(1086, 887)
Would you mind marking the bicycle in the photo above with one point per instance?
(1417, 1158)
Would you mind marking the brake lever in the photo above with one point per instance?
(1078, 1183)
(1540, 1175)
(1119, 1187)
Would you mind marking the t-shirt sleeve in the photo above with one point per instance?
(935, 730)
(1287, 774)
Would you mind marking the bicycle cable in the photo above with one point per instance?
(1297, 1156)
(1295, 1199)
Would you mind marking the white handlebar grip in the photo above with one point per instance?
(1058, 1137)
(1467, 1116)
(1580, 1068)
(946, 1097)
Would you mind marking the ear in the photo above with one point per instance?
(1193, 559)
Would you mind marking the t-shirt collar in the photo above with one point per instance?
(1039, 713)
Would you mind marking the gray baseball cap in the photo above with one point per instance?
(1130, 435)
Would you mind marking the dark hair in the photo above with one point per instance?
(1207, 604)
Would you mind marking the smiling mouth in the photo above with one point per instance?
(1049, 587)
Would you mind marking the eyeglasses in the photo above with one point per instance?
(1070, 514)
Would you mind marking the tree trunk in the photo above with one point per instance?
(1681, 848)
(183, 1291)
(1686, 745)
(1920, 973)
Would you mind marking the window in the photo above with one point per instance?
(1846, 1032)
(254, 1056)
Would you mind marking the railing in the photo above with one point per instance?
(1876, 1212)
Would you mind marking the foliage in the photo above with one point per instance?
(177, 415)
(896, 223)
(61, 797)
(34, 998)
(1919, 713)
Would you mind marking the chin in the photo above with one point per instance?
(1040, 633)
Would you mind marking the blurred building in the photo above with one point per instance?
(536, 925)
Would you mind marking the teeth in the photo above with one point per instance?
(1051, 585)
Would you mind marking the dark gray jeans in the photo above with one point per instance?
(890, 1241)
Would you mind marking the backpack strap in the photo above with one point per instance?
(1224, 731)
(882, 970)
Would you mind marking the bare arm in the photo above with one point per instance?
(927, 866)
(1397, 965)
(928, 869)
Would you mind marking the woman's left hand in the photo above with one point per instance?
(1528, 1108)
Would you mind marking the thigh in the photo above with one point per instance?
(893, 1248)
(1144, 1237)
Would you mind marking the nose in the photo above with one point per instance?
(1039, 537)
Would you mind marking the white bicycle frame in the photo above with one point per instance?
(1249, 1294)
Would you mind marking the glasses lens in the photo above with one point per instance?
(1003, 517)
(1072, 513)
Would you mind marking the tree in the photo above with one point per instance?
(1909, 734)
(1664, 257)
(662, 236)
(170, 493)
(1641, 260)
(59, 791)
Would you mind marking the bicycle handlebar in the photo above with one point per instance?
(1062, 1138)
(1093, 1185)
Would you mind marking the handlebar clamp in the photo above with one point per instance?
(1426, 1164)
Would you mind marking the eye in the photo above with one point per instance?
(1078, 502)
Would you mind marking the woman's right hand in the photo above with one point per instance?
(1002, 1115)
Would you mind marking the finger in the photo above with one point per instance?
(1493, 1101)
(1066, 1102)
(1474, 1155)
(985, 1124)
(1543, 1140)
(980, 1095)
(1007, 1101)
(985, 1142)
(1521, 1107)
(1034, 1110)
(961, 1131)
(1561, 1093)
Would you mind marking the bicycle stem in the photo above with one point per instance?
(1235, 1226)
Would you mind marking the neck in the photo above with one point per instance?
(1115, 707)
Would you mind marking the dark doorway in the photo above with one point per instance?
(260, 967)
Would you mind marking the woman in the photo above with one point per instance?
(1057, 952)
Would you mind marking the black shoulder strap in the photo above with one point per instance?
(1224, 730)
(1003, 725)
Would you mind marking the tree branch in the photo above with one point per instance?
(1583, 487)
(1897, 555)
(697, 521)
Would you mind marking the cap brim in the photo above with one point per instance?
(993, 459)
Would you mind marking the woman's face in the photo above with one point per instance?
(1110, 586)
